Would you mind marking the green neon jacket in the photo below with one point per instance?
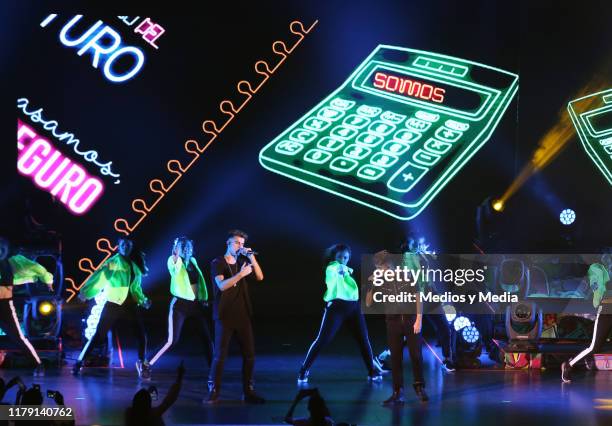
(27, 271)
(599, 274)
(340, 286)
(179, 280)
(114, 278)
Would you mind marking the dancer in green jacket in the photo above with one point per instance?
(120, 279)
(342, 306)
(190, 297)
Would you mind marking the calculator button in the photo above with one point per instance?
(343, 132)
(358, 152)
(317, 156)
(437, 147)
(288, 147)
(302, 135)
(369, 139)
(395, 148)
(370, 172)
(392, 117)
(407, 136)
(447, 135)
(330, 144)
(330, 113)
(457, 125)
(427, 116)
(381, 127)
(368, 111)
(342, 164)
(406, 177)
(356, 121)
(383, 160)
(425, 158)
(316, 124)
(342, 104)
(418, 125)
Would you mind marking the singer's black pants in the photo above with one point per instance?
(111, 313)
(224, 330)
(398, 327)
(338, 312)
(10, 324)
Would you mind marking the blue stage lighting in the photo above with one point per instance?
(461, 322)
(470, 334)
(567, 216)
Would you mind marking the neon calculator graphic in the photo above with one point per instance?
(398, 129)
(592, 117)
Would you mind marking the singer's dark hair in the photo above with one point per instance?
(237, 233)
(331, 252)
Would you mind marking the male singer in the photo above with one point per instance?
(232, 313)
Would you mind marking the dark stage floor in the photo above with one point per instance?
(487, 397)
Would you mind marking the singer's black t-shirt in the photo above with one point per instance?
(232, 306)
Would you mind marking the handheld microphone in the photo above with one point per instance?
(246, 253)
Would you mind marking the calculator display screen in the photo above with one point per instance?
(601, 122)
(422, 89)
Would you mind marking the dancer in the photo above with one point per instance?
(120, 279)
(16, 270)
(342, 299)
(232, 313)
(399, 326)
(599, 278)
(190, 297)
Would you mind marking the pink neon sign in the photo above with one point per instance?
(51, 171)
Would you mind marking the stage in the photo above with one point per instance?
(487, 396)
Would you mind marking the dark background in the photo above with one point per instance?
(556, 47)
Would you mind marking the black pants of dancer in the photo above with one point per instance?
(110, 315)
(337, 313)
(603, 324)
(10, 324)
(180, 310)
(398, 327)
(442, 329)
(224, 330)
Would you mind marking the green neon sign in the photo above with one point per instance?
(397, 131)
(592, 117)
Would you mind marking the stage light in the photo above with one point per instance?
(45, 308)
(558, 136)
(498, 205)
(461, 322)
(567, 217)
(450, 312)
(470, 334)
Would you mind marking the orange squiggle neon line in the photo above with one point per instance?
(175, 167)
